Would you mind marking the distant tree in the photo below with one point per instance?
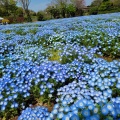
(79, 4)
(32, 13)
(40, 16)
(19, 12)
(25, 5)
(62, 5)
(8, 7)
(95, 6)
(54, 11)
(93, 10)
(116, 3)
(71, 9)
(96, 3)
(106, 5)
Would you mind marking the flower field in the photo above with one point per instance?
(66, 69)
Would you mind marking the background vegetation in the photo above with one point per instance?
(56, 9)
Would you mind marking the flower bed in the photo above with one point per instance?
(61, 63)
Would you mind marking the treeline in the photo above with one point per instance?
(104, 6)
(62, 9)
(56, 9)
(9, 10)
(71, 8)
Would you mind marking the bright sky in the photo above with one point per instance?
(37, 5)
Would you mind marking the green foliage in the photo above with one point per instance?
(8, 7)
(116, 3)
(54, 55)
(93, 11)
(54, 11)
(9, 114)
(71, 10)
(104, 6)
(19, 11)
(40, 16)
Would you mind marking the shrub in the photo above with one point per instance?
(20, 19)
(40, 16)
(11, 19)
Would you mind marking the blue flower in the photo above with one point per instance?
(80, 104)
(3, 108)
(60, 115)
(56, 106)
(67, 109)
(104, 110)
(109, 107)
(86, 113)
(74, 117)
(94, 117)
(64, 102)
(55, 111)
(66, 117)
(91, 107)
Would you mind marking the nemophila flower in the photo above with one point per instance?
(91, 107)
(3, 107)
(86, 113)
(104, 110)
(60, 115)
(94, 117)
(56, 106)
(66, 109)
(114, 113)
(118, 85)
(96, 110)
(61, 109)
(66, 117)
(110, 107)
(73, 107)
(64, 102)
(74, 117)
(48, 118)
(55, 111)
(51, 115)
(1, 96)
(80, 104)
(5, 103)
(36, 113)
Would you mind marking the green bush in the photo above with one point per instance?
(40, 16)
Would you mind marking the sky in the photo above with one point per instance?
(37, 5)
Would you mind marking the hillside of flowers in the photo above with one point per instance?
(64, 69)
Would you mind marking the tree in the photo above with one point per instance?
(40, 16)
(25, 5)
(8, 7)
(95, 6)
(19, 12)
(105, 6)
(79, 4)
(116, 3)
(96, 3)
(61, 5)
(71, 9)
(54, 11)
